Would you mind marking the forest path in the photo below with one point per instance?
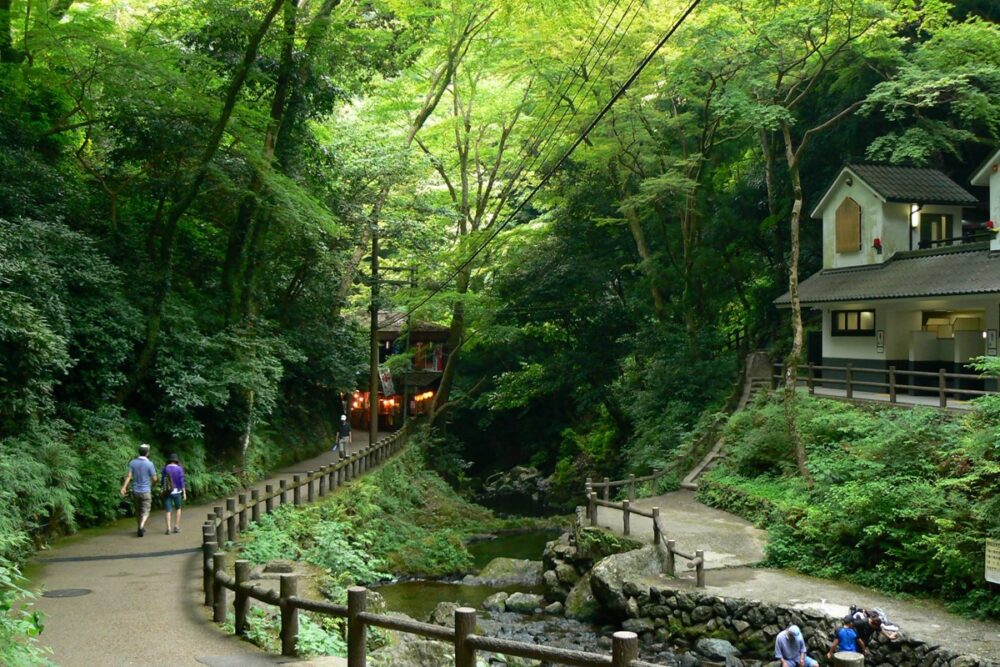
(731, 545)
(146, 603)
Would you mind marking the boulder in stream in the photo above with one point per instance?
(581, 603)
(507, 572)
(496, 602)
(524, 603)
(637, 568)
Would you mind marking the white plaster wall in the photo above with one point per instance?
(871, 214)
(968, 344)
(895, 229)
(899, 322)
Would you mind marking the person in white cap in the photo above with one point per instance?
(344, 433)
(790, 648)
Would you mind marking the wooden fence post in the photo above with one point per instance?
(356, 630)
(942, 397)
(321, 481)
(207, 551)
(243, 512)
(231, 519)
(624, 648)
(218, 590)
(254, 506)
(296, 490)
(848, 374)
(282, 492)
(811, 379)
(220, 526)
(892, 384)
(465, 625)
(700, 569)
(310, 482)
(631, 488)
(289, 613)
(671, 563)
(656, 526)
(625, 517)
(607, 488)
(241, 601)
(269, 503)
(592, 504)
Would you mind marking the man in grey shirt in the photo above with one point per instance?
(790, 649)
(142, 474)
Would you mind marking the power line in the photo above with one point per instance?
(576, 143)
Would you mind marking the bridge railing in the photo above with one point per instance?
(228, 521)
(667, 548)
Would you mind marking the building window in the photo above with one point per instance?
(935, 229)
(848, 226)
(853, 322)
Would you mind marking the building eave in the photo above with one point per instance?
(981, 176)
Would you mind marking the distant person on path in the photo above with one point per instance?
(142, 474)
(846, 639)
(344, 435)
(790, 648)
(174, 491)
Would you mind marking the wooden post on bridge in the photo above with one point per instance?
(848, 659)
(465, 625)
(220, 527)
(356, 630)
(656, 526)
(289, 613)
(699, 557)
(322, 481)
(592, 504)
(671, 563)
(311, 494)
(624, 648)
(297, 490)
(269, 503)
(283, 492)
(625, 517)
(255, 505)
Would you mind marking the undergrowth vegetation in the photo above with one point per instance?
(903, 502)
(401, 520)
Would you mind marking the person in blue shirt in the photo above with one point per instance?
(846, 639)
(142, 474)
(790, 649)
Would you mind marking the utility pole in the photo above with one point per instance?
(373, 379)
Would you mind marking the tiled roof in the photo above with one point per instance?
(946, 272)
(912, 184)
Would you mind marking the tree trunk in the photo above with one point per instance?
(164, 268)
(7, 54)
(639, 236)
(456, 334)
(795, 354)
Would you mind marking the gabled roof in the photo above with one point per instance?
(981, 176)
(911, 185)
(965, 269)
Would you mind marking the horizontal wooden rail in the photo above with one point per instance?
(891, 385)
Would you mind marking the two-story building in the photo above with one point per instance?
(908, 281)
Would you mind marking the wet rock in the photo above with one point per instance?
(554, 609)
(638, 625)
(632, 608)
(508, 572)
(581, 603)
(412, 651)
(496, 602)
(524, 603)
(716, 649)
(444, 614)
(567, 574)
(609, 575)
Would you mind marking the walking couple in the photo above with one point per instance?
(142, 474)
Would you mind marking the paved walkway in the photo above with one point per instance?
(145, 607)
(731, 544)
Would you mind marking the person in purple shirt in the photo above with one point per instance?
(790, 649)
(142, 474)
(174, 492)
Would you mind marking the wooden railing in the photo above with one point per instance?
(891, 385)
(226, 523)
(667, 548)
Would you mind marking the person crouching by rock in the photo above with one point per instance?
(846, 639)
(790, 649)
